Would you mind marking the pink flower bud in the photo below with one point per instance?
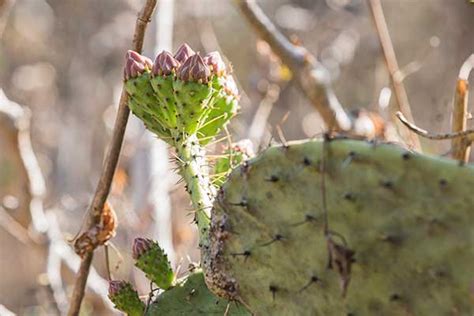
(214, 60)
(116, 286)
(140, 246)
(194, 69)
(199, 70)
(183, 53)
(230, 86)
(135, 65)
(164, 64)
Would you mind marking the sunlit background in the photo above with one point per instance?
(62, 59)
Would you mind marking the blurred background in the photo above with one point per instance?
(60, 79)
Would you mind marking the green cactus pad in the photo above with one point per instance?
(221, 110)
(192, 100)
(400, 238)
(163, 87)
(170, 107)
(154, 262)
(127, 301)
(191, 297)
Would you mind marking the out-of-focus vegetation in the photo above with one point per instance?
(63, 60)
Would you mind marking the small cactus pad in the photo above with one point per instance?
(181, 95)
(152, 260)
(125, 298)
(192, 297)
(399, 237)
(232, 157)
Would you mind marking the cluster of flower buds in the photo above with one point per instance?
(186, 64)
(186, 93)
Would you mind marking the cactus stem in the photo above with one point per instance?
(196, 177)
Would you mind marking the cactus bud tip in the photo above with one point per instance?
(140, 246)
(214, 60)
(183, 53)
(165, 64)
(135, 64)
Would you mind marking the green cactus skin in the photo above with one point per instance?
(231, 157)
(222, 109)
(192, 297)
(407, 221)
(195, 174)
(127, 300)
(142, 99)
(154, 262)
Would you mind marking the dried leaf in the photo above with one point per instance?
(99, 234)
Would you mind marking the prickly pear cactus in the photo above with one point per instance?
(191, 297)
(396, 237)
(187, 296)
(185, 100)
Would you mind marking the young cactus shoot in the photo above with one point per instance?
(186, 100)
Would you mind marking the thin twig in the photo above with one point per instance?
(11, 225)
(460, 147)
(313, 77)
(256, 130)
(393, 69)
(468, 134)
(105, 181)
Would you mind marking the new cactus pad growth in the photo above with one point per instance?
(186, 100)
(233, 155)
(191, 297)
(151, 259)
(125, 298)
(399, 238)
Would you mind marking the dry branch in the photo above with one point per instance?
(461, 147)
(105, 181)
(393, 69)
(468, 134)
(313, 78)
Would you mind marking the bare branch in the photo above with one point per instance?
(468, 134)
(393, 69)
(313, 77)
(105, 181)
(460, 147)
